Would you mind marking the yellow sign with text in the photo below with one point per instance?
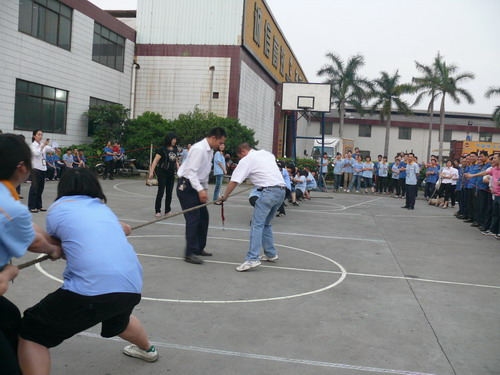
(265, 41)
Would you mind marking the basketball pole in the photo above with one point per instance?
(323, 150)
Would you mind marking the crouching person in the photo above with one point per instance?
(102, 279)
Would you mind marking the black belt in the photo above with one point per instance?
(271, 187)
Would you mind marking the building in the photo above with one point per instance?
(59, 57)
(224, 56)
(408, 133)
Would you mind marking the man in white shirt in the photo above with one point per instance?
(260, 166)
(192, 189)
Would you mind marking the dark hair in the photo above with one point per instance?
(484, 153)
(243, 146)
(13, 150)
(411, 153)
(368, 157)
(167, 141)
(384, 157)
(473, 152)
(338, 153)
(379, 156)
(34, 133)
(80, 181)
(217, 132)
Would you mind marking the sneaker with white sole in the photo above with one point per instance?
(150, 355)
(488, 233)
(246, 265)
(265, 258)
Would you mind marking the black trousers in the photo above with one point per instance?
(288, 195)
(462, 202)
(9, 328)
(471, 203)
(196, 221)
(166, 181)
(411, 194)
(429, 189)
(109, 168)
(402, 186)
(485, 204)
(381, 184)
(36, 189)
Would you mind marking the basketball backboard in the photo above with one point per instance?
(306, 97)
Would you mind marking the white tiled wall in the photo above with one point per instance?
(173, 85)
(256, 106)
(25, 57)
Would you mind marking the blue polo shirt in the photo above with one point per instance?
(471, 183)
(106, 156)
(357, 166)
(383, 169)
(218, 158)
(432, 178)
(395, 171)
(338, 167)
(99, 259)
(286, 177)
(302, 184)
(369, 173)
(402, 174)
(375, 171)
(479, 181)
(460, 179)
(16, 227)
(412, 171)
(311, 182)
(348, 163)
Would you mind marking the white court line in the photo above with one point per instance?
(359, 204)
(338, 272)
(265, 357)
(274, 232)
(115, 186)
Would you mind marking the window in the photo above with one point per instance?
(447, 136)
(328, 129)
(95, 102)
(48, 20)
(485, 137)
(108, 48)
(404, 133)
(365, 131)
(40, 107)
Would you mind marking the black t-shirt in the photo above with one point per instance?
(168, 158)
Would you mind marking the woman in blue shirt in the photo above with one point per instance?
(17, 234)
(219, 170)
(367, 173)
(102, 279)
(108, 161)
(357, 167)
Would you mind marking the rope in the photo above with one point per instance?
(45, 257)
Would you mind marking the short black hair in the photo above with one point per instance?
(338, 153)
(80, 181)
(368, 157)
(410, 153)
(217, 132)
(473, 152)
(484, 153)
(167, 141)
(13, 150)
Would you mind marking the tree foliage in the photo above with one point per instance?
(496, 113)
(107, 122)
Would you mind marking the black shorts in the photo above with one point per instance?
(63, 314)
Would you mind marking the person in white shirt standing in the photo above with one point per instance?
(39, 163)
(192, 189)
(260, 166)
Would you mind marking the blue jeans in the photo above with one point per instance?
(261, 232)
(355, 180)
(218, 184)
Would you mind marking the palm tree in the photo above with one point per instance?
(387, 94)
(348, 88)
(426, 85)
(448, 81)
(496, 113)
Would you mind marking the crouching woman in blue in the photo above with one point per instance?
(102, 279)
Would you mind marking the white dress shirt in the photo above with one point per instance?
(197, 165)
(450, 175)
(38, 156)
(260, 166)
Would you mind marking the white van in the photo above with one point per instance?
(332, 145)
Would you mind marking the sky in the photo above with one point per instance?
(392, 35)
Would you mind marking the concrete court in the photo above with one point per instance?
(346, 306)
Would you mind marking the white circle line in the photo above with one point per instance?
(342, 277)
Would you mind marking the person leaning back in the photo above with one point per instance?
(192, 189)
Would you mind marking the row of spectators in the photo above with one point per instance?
(56, 165)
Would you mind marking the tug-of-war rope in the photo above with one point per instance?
(45, 257)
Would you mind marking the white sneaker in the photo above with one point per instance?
(488, 233)
(265, 258)
(246, 265)
(150, 355)
(347, 191)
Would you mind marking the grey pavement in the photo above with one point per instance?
(361, 287)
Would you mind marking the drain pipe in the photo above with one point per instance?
(212, 70)
(135, 68)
